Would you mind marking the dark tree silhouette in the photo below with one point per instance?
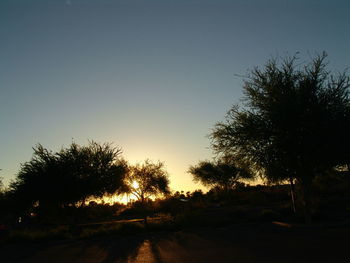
(97, 169)
(1, 185)
(69, 176)
(294, 123)
(37, 180)
(147, 179)
(218, 174)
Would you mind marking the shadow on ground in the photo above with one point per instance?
(244, 243)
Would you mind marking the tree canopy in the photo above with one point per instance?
(147, 179)
(218, 174)
(70, 175)
(294, 121)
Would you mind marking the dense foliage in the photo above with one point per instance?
(147, 179)
(218, 174)
(69, 176)
(294, 123)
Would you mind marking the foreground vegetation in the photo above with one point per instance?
(245, 204)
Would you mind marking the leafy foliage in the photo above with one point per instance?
(219, 174)
(70, 175)
(294, 123)
(147, 179)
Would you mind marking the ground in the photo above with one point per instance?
(237, 243)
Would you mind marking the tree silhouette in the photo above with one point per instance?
(218, 174)
(1, 185)
(69, 176)
(147, 179)
(97, 169)
(294, 123)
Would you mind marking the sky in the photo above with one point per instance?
(152, 77)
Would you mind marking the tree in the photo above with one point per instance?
(97, 168)
(147, 179)
(69, 176)
(218, 174)
(294, 123)
(1, 185)
(37, 180)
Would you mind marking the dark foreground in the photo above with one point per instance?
(239, 243)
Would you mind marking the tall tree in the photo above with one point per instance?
(294, 123)
(97, 169)
(70, 175)
(218, 174)
(147, 179)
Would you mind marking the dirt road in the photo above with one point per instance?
(244, 243)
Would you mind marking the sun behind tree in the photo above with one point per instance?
(147, 180)
(135, 185)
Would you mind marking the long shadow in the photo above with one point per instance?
(127, 249)
(102, 249)
(238, 243)
(120, 249)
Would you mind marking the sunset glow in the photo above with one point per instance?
(166, 131)
(135, 184)
(149, 76)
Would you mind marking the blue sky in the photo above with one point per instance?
(153, 77)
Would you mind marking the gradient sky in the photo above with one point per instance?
(151, 76)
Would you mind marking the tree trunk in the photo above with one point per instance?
(145, 221)
(306, 187)
(144, 211)
(83, 202)
(292, 194)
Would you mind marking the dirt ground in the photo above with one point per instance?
(238, 243)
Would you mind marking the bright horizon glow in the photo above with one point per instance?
(152, 77)
(124, 199)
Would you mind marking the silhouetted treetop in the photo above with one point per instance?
(294, 121)
(147, 179)
(218, 174)
(70, 175)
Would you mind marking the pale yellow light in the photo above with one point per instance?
(135, 184)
